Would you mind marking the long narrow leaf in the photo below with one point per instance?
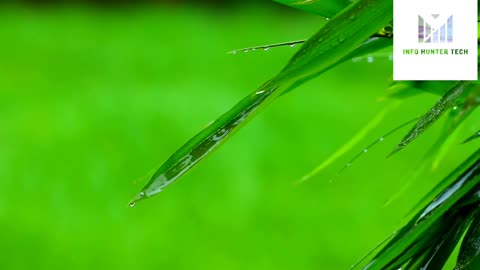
(433, 114)
(469, 256)
(330, 45)
(426, 219)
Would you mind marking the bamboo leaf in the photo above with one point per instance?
(433, 114)
(330, 45)
(427, 220)
(469, 258)
(438, 250)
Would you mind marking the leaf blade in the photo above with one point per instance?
(433, 114)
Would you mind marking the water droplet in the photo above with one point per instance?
(370, 59)
(266, 48)
(292, 45)
(254, 49)
(260, 92)
(455, 108)
(245, 51)
(390, 57)
(348, 164)
(478, 133)
(327, 19)
(381, 139)
(132, 204)
(234, 52)
(365, 150)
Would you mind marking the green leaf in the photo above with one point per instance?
(426, 222)
(469, 258)
(439, 248)
(325, 8)
(330, 45)
(473, 137)
(433, 114)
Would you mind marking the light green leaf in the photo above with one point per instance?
(330, 45)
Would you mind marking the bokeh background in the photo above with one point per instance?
(95, 95)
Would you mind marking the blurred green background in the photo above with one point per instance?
(95, 96)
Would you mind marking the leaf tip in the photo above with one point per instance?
(137, 198)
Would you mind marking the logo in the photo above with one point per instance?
(435, 29)
(435, 40)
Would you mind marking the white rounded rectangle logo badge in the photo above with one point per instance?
(435, 40)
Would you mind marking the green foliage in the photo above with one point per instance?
(331, 45)
(357, 29)
(445, 103)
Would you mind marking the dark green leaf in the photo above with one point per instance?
(469, 258)
(473, 137)
(433, 114)
(426, 222)
(440, 247)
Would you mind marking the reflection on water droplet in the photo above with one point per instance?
(365, 150)
(266, 49)
(327, 19)
(381, 139)
(370, 59)
(292, 45)
(254, 49)
(132, 204)
(260, 92)
(455, 108)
